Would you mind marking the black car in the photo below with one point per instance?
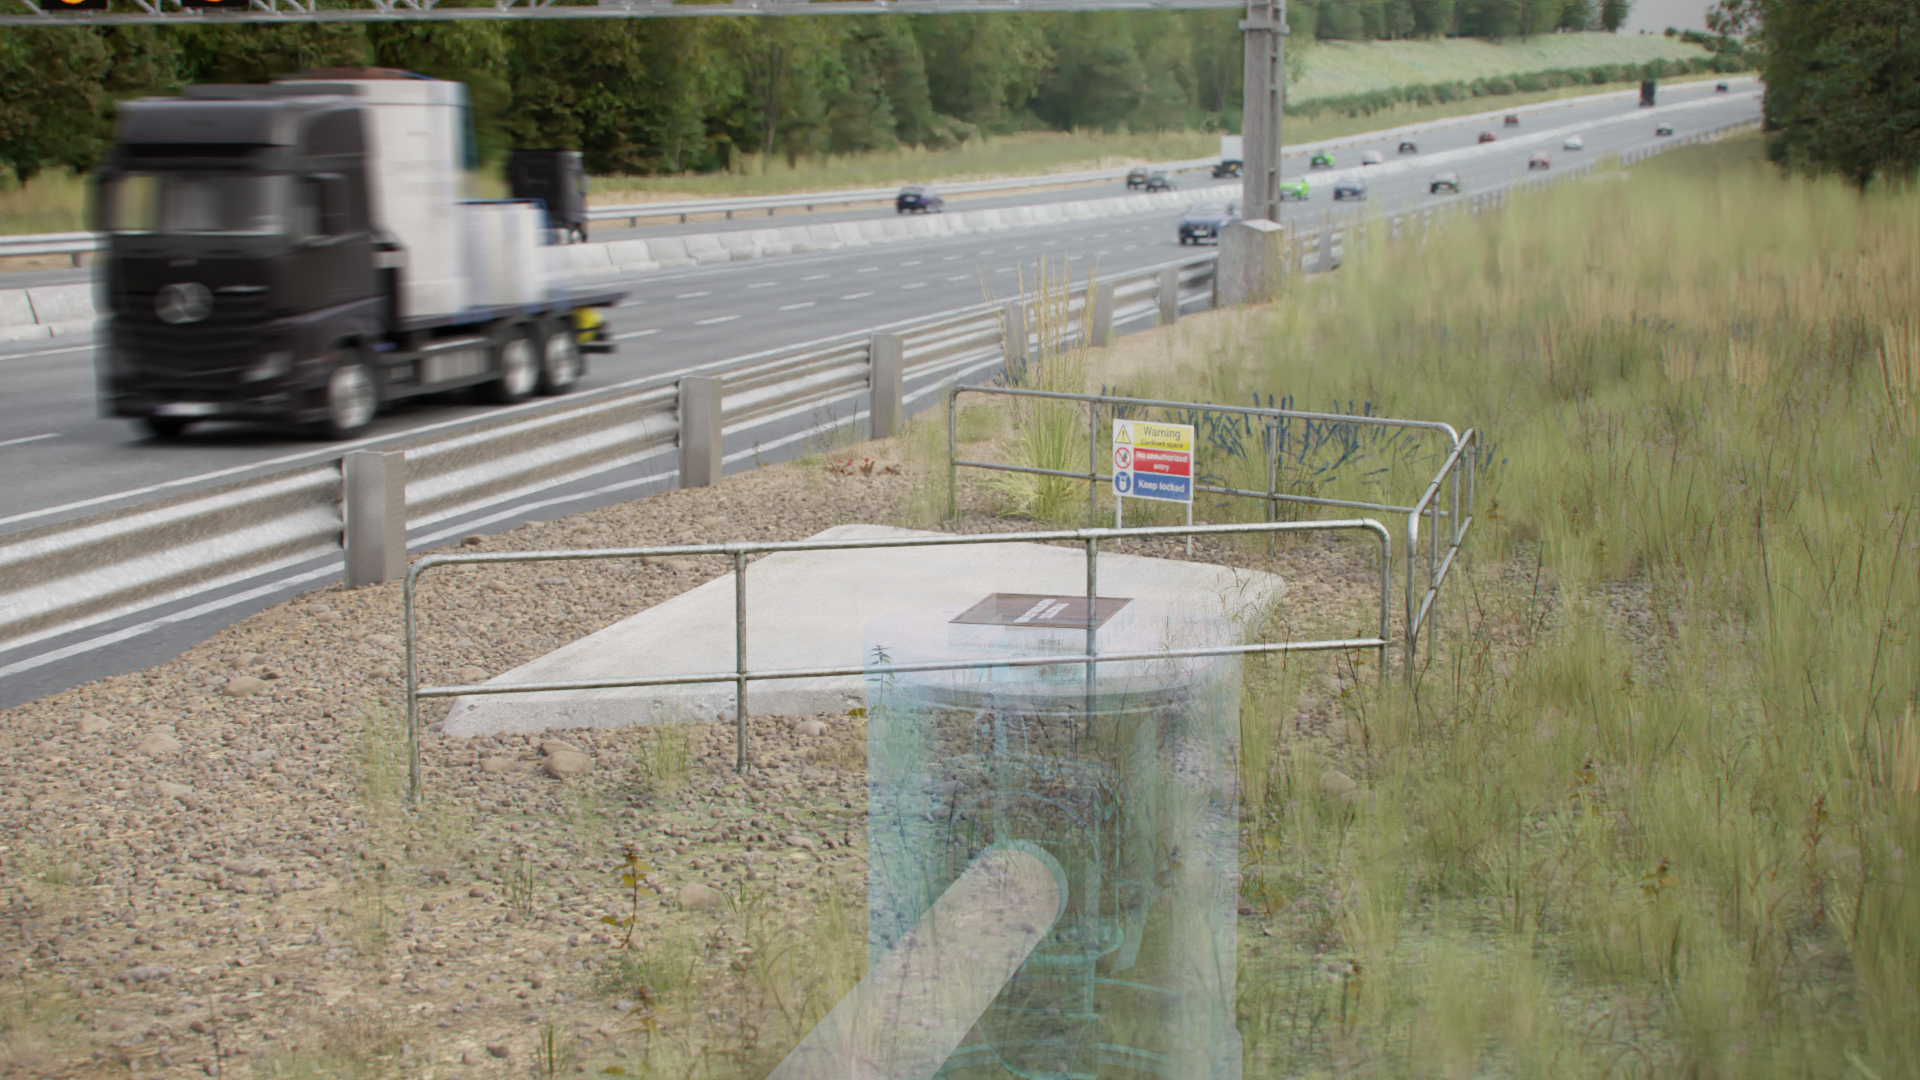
(1407, 147)
(1350, 188)
(1203, 221)
(1159, 182)
(1448, 182)
(1226, 169)
(1719, 88)
(915, 199)
(1136, 178)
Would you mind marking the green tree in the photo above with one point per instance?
(1613, 14)
(1843, 85)
(983, 69)
(634, 95)
(51, 98)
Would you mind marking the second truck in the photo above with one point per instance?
(310, 251)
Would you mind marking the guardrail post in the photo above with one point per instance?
(1102, 300)
(1169, 295)
(886, 385)
(1014, 330)
(374, 503)
(701, 425)
(1326, 262)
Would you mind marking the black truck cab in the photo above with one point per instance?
(238, 245)
(558, 179)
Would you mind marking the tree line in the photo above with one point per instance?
(643, 96)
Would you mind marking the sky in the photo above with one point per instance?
(1655, 16)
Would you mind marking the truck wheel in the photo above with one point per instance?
(351, 400)
(560, 365)
(164, 427)
(519, 372)
(577, 235)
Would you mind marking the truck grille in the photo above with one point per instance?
(228, 339)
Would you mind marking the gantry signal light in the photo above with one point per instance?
(74, 5)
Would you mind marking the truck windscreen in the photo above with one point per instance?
(198, 202)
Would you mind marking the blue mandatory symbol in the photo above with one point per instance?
(1123, 482)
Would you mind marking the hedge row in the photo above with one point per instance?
(1366, 104)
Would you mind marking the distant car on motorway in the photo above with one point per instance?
(1321, 160)
(1351, 187)
(1448, 182)
(1512, 120)
(1486, 136)
(1719, 88)
(1158, 182)
(1226, 169)
(1294, 189)
(1203, 221)
(1407, 146)
(1372, 157)
(914, 199)
(1663, 129)
(1136, 178)
(1539, 160)
(1574, 142)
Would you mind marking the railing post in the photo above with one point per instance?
(701, 425)
(1169, 295)
(1102, 301)
(374, 503)
(886, 384)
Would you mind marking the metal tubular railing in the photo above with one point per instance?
(1458, 451)
(1463, 459)
(740, 675)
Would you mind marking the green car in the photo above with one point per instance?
(1323, 160)
(1294, 189)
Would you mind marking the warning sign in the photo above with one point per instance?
(1153, 461)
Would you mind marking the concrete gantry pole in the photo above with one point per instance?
(886, 385)
(1249, 270)
(701, 425)
(1265, 26)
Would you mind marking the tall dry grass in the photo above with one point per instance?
(1652, 808)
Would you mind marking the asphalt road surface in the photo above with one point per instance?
(63, 461)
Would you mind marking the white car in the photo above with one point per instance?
(1574, 142)
(1372, 157)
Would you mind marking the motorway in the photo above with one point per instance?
(65, 462)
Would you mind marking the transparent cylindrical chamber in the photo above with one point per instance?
(1126, 773)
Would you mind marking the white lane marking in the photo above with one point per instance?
(691, 295)
(796, 307)
(959, 277)
(914, 262)
(30, 438)
(816, 277)
(763, 285)
(630, 303)
(868, 270)
(855, 296)
(634, 334)
(1005, 270)
(1131, 247)
(715, 319)
(911, 285)
(46, 352)
(948, 258)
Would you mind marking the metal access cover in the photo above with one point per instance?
(1030, 609)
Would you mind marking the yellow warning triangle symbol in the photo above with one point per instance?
(1125, 434)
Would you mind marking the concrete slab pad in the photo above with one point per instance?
(15, 309)
(61, 303)
(807, 609)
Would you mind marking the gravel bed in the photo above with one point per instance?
(207, 867)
